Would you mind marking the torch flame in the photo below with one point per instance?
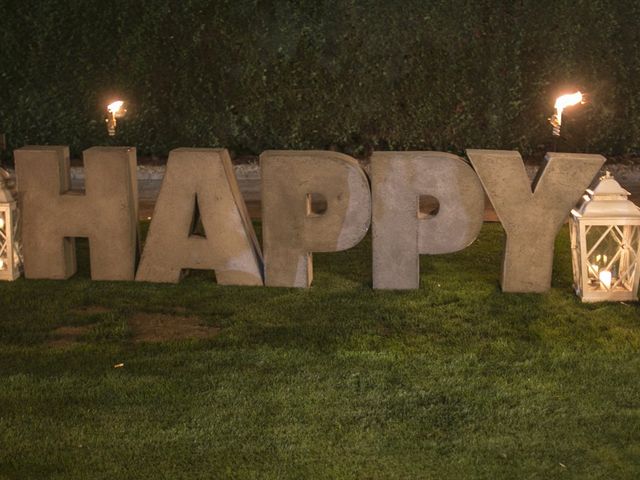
(114, 108)
(565, 101)
(115, 111)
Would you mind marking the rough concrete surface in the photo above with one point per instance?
(291, 229)
(532, 214)
(249, 181)
(401, 231)
(248, 176)
(52, 215)
(202, 177)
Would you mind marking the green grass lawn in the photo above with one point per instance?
(453, 381)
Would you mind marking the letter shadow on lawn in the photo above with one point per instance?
(341, 310)
(458, 292)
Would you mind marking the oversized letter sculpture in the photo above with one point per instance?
(532, 214)
(401, 231)
(52, 216)
(202, 177)
(291, 228)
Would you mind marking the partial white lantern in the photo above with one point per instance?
(605, 243)
(9, 247)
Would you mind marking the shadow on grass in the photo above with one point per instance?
(458, 306)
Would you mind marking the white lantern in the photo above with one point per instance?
(605, 243)
(9, 248)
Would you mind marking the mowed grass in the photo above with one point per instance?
(453, 381)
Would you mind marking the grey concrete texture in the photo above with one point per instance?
(229, 245)
(400, 231)
(248, 176)
(532, 213)
(292, 231)
(52, 216)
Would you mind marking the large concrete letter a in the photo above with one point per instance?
(291, 227)
(532, 214)
(202, 177)
(52, 216)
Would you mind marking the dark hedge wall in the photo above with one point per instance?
(352, 75)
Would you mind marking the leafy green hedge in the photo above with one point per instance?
(346, 74)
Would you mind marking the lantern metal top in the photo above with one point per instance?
(608, 200)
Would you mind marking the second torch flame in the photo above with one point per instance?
(563, 102)
(115, 111)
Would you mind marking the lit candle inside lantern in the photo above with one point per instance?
(1, 222)
(605, 278)
(1, 264)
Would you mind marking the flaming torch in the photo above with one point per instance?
(114, 110)
(563, 102)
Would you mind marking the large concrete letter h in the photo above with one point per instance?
(52, 216)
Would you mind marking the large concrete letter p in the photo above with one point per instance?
(292, 229)
(401, 230)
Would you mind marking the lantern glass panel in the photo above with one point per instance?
(611, 256)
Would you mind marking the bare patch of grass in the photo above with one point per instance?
(91, 310)
(160, 327)
(64, 337)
